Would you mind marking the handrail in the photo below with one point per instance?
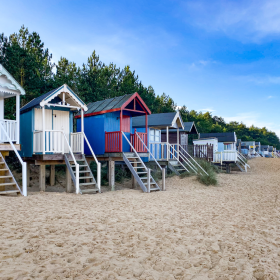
(178, 156)
(193, 160)
(76, 164)
(97, 162)
(149, 151)
(135, 151)
(24, 171)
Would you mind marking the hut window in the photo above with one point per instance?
(152, 135)
(126, 124)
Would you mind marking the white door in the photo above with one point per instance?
(61, 123)
(39, 119)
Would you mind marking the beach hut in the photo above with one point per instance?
(108, 126)
(48, 138)
(224, 151)
(167, 141)
(9, 134)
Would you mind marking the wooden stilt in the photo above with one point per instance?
(42, 178)
(28, 174)
(68, 181)
(134, 182)
(112, 174)
(52, 175)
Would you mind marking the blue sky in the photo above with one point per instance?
(221, 56)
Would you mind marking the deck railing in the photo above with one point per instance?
(54, 142)
(10, 127)
(139, 141)
(113, 143)
(225, 156)
(77, 142)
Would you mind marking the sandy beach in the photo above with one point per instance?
(229, 231)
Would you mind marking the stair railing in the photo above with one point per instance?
(135, 151)
(76, 164)
(23, 164)
(97, 163)
(162, 169)
(243, 159)
(171, 149)
(182, 155)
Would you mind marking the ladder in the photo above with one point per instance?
(140, 172)
(86, 180)
(7, 180)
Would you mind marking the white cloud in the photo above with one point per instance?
(242, 20)
(260, 79)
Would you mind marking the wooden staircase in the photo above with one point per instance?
(177, 167)
(87, 182)
(140, 172)
(8, 184)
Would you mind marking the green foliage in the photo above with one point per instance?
(24, 55)
(210, 179)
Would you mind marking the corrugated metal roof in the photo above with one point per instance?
(222, 137)
(36, 101)
(188, 127)
(107, 104)
(162, 119)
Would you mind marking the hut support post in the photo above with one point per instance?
(82, 128)
(68, 181)
(1, 108)
(167, 140)
(17, 115)
(134, 182)
(112, 174)
(43, 129)
(42, 178)
(28, 175)
(52, 175)
(178, 142)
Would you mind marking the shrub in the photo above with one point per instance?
(212, 170)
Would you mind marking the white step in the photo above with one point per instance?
(89, 191)
(8, 192)
(2, 170)
(87, 184)
(87, 177)
(73, 165)
(152, 183)
(5, 177)
(82, 171)
(7, 184)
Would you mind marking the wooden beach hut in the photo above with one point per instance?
(167, 139)
(108, 125)
(10, 134)
(47, 138)
(225, 151)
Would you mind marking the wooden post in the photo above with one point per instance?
(52, 175)
(43, 128)
(17, 115)
(134, 182)
(1, 108)
(68, 181)
(149, 180)
(167, 140)
(111, 174)
(163, 178)
(121, 136)
(82, 120)
(178, 143)
(28, 175)
(42, 178)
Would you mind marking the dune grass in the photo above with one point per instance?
(210, 179)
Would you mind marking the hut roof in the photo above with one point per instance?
(47, 97)
(222, 137)
(161, 120)
(115, 104)
(189, 127)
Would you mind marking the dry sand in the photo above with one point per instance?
(231, 231)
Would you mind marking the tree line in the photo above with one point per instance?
(24, 55)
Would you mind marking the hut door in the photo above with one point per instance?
(155, 144)
(61, 122)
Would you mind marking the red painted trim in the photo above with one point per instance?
(146, 122)
(137, 111)
(121, 130)
(145, 107)
(99, 113)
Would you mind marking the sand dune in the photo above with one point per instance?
(231, 231)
